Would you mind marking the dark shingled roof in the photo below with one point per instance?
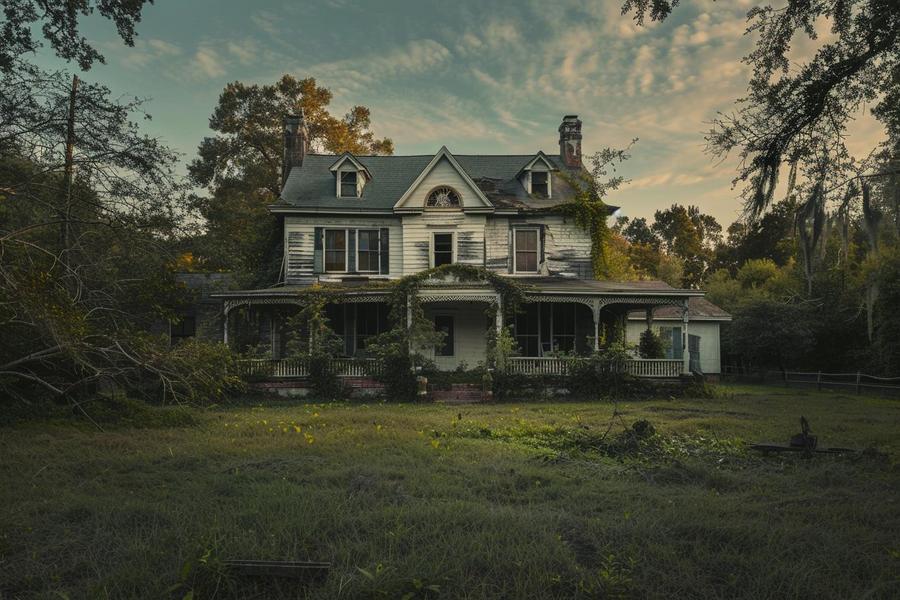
(539, 285)
(312, 185)
(698, 308)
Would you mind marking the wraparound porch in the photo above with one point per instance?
(558, 321)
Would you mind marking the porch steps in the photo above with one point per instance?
(459, 393)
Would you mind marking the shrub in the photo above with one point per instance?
(651, 345)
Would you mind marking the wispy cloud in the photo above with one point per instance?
(364, 71)
(145, 52)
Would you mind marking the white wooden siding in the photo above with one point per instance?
(470, 334)
(299, 240)
(418, 229)
(567, 247)
(710, 352)
(496, 237)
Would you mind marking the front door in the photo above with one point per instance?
(694, 349)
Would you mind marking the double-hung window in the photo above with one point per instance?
(348, 184)
(526, 250)
(368, 247)
(540, 185)
(335, 250)
(442, 249)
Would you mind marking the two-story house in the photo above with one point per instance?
(352, 220)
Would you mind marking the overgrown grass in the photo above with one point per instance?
(540, 500)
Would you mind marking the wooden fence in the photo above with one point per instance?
(858, 382)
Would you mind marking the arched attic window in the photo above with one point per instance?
(443, 197)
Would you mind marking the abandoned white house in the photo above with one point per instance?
(354, 220)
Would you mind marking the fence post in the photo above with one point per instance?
(819, 381)
(857, 382)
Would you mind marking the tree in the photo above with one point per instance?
(85, 240)
(240, 167)
(690, 235)
(248, 123)
(59, 25)
(772, 333)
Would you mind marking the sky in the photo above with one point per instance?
(479, 76)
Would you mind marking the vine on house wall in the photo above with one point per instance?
(590, 213)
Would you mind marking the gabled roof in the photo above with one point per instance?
(442, 153)
(540, 156)
(311, 187)
(346, 156)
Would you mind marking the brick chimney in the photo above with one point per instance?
(296, 143)
(570, 141)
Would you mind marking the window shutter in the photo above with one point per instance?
(510, 258)
(351, 251)
(541, 234)
(384, 247)
(318, 254)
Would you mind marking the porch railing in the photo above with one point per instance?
(299, 367)
(523, 365)
(638, 367)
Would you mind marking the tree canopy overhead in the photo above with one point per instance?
(797, 117)
(59, 25)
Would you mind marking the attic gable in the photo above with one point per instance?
(345, 158)
(443, 174)
(539, 158)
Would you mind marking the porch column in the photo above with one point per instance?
(225, 327)
(595, 311)
(499, 316)
(685, 351)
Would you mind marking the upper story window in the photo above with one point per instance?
(348, 184)
(443, 197)
(368, 247)
(540, 183)
(335, 250)
(442, 249)
(526, 250)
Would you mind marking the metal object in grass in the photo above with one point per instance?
(804, 442)
(295, 569)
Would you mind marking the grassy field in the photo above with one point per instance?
(495, 501)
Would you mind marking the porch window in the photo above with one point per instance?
(335, 250)
(539, 184)
(564, 327)
(348, 184)
(444, 323)
(527, 330)
(368, 246)
(526, 249)
(371, 319)
(672, 335)
(442, 249)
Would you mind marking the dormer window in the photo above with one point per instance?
(535, 176)
(348, 184)
(350, 176)
(540, 184)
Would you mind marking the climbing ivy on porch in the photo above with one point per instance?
(412, 330)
